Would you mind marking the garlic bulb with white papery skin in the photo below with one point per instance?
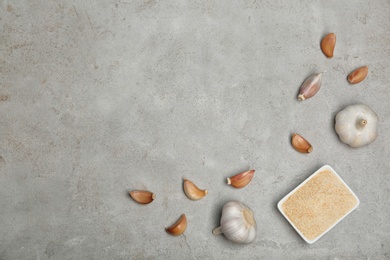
(357, 125)
(237, 223)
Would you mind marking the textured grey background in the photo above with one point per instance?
(101, 97)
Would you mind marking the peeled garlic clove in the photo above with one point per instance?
(301, 144)
(310, 87)
(142, 196)
(178, 227)
(237, 223)
(192, 191)
(358, 75)
(241, 180)
(327, 44)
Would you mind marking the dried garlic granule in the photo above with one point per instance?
(319, 204)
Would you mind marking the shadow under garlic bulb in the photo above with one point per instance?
(357, 125)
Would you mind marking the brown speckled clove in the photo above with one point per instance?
(358, 75)
(327, 45)
(301, 144)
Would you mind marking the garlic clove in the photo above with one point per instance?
(358, 75)
(241, 180)
(178, 227)
(301, 144)
(310, 87)
(192, 191)
(327, 44)
(142, 196)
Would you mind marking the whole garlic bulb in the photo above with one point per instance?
(357, 125)
(237, 223)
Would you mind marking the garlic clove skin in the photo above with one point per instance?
(178, 227)
(357, 125)
(192, 191)
(237, 223)
(301, 144)
(241, 180)
(142, 196)
(327, 45)
(358, 75)
(310, 87)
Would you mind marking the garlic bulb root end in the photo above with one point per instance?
(248, 215)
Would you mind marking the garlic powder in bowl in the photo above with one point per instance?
(318, 204)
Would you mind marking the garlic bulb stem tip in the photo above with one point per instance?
(217, 231)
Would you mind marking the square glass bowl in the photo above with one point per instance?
(318, 204)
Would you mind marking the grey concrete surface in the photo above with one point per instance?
(101, 97)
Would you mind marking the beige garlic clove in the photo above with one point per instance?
(310, 87)
(142, 196)
(301, 144)
(178, 227)
(192, 191)
(241, 180)
(358, 75)
(327, 44)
